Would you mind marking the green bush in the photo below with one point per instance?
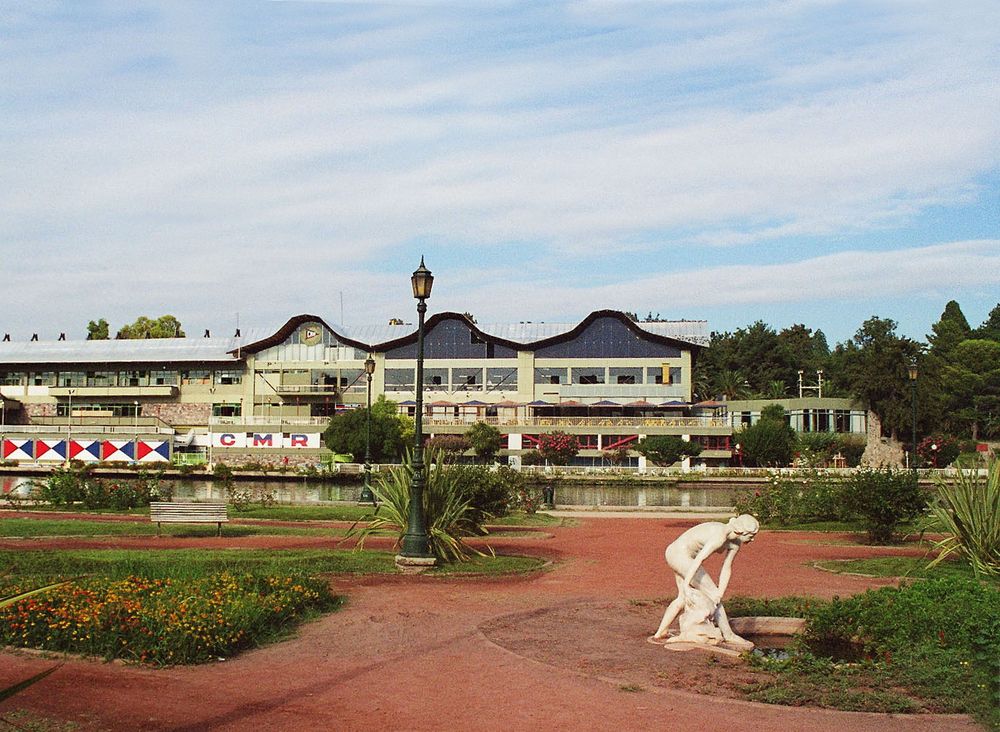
(938, 451)
(667, 449)
(490, 491)
(967, 511)
(532, 457)
(940, 638)
(801, 499)
(485, 440)
(882, 499)
(770, 443)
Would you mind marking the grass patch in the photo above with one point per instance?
(907, 567)
(488, 565)
(520, 518)
(42, 527)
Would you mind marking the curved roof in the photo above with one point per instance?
(517, 336)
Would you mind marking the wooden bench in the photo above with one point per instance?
(187, 513)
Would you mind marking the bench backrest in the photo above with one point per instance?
(191, 512)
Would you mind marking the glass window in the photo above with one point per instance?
(42, 378)
(501, 379)
(11, 378)
(550, 376)
(133, 378)
(436, 377)
(196, 376)
(400, 379)
(72, 378)
(163, 378)
(467, 379)
(227, 410)
(588, 375)
(230, 376)
(623, 375)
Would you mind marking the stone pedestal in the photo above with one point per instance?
(414, 565)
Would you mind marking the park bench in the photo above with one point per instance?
(163, 512)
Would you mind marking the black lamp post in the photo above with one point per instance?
(913, 395)
(366, 490)
(416, 542)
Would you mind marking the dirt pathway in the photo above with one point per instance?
(459, 654)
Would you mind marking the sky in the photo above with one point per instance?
(793, 162)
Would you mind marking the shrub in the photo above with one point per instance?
(223, 471)
(882, 499)
(558, 447)
(768, 443)
(532, 457)
(451, 446)
(447, 510)
(967, 511)
(485, 440)
(667, 449)
(64, 486)
(491, 492)
(800, 499)
(936, 636)
(938, 451)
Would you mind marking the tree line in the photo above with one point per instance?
(958, 367)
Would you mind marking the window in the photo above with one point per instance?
(227, 410)
(626, 379)
(550, 376)
(163, 378)
(227, 377)
(11, 378)
(42, 378)
(625, 375)
(588, 376)
(467, 379)
(399, 379)
(72, 378)
(196, 376)
(501, 379)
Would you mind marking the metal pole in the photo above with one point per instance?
(416, 542)
(366, 489)
(135, 433)
(913, 436)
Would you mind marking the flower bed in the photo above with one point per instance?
(163, 621)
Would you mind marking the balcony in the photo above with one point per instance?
(90, 392)
(630, 423)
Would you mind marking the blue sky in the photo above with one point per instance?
(796, 162)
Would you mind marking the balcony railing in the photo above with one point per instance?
(635, 422)
(268, 421)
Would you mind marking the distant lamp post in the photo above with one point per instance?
(739, 453)
(69, 424)
(416, 542)
(366, 490)
(135, 433)
(934, 448)
(913, 398)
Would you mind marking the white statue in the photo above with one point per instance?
(704, 620)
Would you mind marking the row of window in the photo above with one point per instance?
(454, 379)
(134, 377)
(609, 375)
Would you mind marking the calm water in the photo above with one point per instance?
(577, 494)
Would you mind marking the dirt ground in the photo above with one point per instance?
(561, 649)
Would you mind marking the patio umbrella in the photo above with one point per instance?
(641, 404)
(605, 403)
(539, 403)
(674, 405)
(508, 405)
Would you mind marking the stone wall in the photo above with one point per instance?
(174, 413)
(881, 451)
(39, 410)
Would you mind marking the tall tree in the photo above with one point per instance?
(951, 329)
(97, 331)
(347, 432)
(970, 385)
(873, 367)
(990, 329)
(166, 326)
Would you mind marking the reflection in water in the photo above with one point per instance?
(576, 494)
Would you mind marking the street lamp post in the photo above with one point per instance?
(416, 542)
(69, 424)
(366, 489)
(913, 398)
(135, 433)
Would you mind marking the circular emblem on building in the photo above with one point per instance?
(311, 334)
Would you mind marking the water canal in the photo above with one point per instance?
(666, 494)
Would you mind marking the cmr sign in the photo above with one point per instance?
(266, 440)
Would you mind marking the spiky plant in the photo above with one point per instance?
(450, 515)
(967, 511)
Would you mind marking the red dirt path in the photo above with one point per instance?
(421, 653)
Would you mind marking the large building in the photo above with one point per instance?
(608, 380)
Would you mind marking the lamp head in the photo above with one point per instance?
(422, 281)
(370, 366)
(913, 370)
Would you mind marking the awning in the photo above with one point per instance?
(605, 403)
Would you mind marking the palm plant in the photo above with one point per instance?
(449, 513)
(967, 511)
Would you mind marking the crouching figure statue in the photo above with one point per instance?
(703, 619)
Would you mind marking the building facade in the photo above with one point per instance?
(607, 379)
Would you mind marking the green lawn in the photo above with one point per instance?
(907, 567)
(41, 527)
